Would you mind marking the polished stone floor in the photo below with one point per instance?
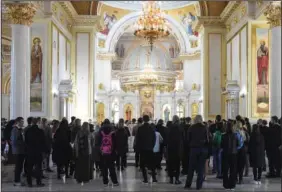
(130, 180)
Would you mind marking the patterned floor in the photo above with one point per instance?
(130, 180)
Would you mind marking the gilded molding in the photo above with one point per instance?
(106, 56)
(20, 13)
(211, 21)
(88, 20)
(229, 10)
(190, 56)
(273, 14)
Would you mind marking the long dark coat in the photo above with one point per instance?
(256, 150)
(121, 141)
(62, 150)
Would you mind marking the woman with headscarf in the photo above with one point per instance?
(174, 149)
(121, 145)
(62, 150)
(256, 151)
(83, 149)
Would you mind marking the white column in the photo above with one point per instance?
(20, 71)
(62, 106)
(275, 72)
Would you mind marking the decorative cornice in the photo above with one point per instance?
(229, 10)
(209, 21)
(273, 14)
(88, 20)
(69, 9)
(190, 56)
(20, 13)
(106, 56)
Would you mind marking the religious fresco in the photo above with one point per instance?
(128, 112)
(100, 109)
(36, 76)
(147, 101)
(260, 72)
(166, 112)
(194, 110)
(110, 16)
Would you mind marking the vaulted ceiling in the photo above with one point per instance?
(208, 8)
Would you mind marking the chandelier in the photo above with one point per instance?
(151, 25)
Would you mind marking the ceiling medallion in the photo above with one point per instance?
(151, 25)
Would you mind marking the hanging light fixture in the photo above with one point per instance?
(151, 25)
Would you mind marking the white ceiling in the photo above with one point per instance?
(137, 5)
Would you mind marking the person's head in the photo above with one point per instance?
(64, 123)
(274, 119)
(77, 122)
(238, 118)
(160, 122)
(146, 118)
(256, 129)
(188, 120)
(243, 122)
(85, 127)
(262, 42)
(247, 120)
(238, 125)
(121, 123)
(106, 122)
(29, 120)
(44, 121)
(19, 121)
(133, 120)
(218, 118)
(34, 121)
(264, 122)
(56, 123)
(140, 120)
(73, 118)
(198, 119)
(169, 123)
(259, 122)
(229, 128)
(175, 119)
(209, 122)
(38, 120)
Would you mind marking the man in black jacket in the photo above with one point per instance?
(145, 142)
(35, 143)
(185, 157)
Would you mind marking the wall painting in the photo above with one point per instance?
(36, 76)
(260, 72)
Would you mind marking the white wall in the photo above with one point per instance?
(55, 73)
(192, 73)
(103, 74)
(5, 106)
(41, 30)
(235, 66)
(82, 75)
(243, 109)
(214, 70)
(63, 73)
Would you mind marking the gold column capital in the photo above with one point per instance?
(273, 13)
(20, 13)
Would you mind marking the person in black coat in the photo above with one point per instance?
(174, 149)
(35, 147)
(121, 145)
(256, 151)
(161, 129)
(62, 150)
(198, 142)
(229, 146)
(185, 156)
(145, 142)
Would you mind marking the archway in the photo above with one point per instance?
(118, 29)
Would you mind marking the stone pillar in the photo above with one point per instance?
(62, 107)
(233, 91)
(273, 14)
(20, 15)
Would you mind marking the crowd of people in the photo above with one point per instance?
(77, 149)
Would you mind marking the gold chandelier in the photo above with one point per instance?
(151, 25)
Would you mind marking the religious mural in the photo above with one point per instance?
(100, 115)
(187, 20)
(166, 112)
(194, 110)
(120, 50)
(261, 70)
(147, 101)
(36, 76)
(128, 112)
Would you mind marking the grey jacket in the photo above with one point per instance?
(17, 139)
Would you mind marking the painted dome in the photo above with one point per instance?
(143, 58)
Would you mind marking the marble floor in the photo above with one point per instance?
(130, 180)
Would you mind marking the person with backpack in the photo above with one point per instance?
(106, 140)
(83, 149)
(217, 137)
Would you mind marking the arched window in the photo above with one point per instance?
(180, 110)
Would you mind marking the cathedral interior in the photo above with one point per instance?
(94, 60)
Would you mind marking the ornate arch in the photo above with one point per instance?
(7, 86)
(128, 20)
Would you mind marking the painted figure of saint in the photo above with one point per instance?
(262, 63)
(128, 113)
(121, 55)
(36, 61)
(187, 21)
(109, 21)
(166, 114)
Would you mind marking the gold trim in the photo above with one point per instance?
(231, 63)
(235, 34)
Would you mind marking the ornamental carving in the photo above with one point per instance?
(20, 13)
(273, 14)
